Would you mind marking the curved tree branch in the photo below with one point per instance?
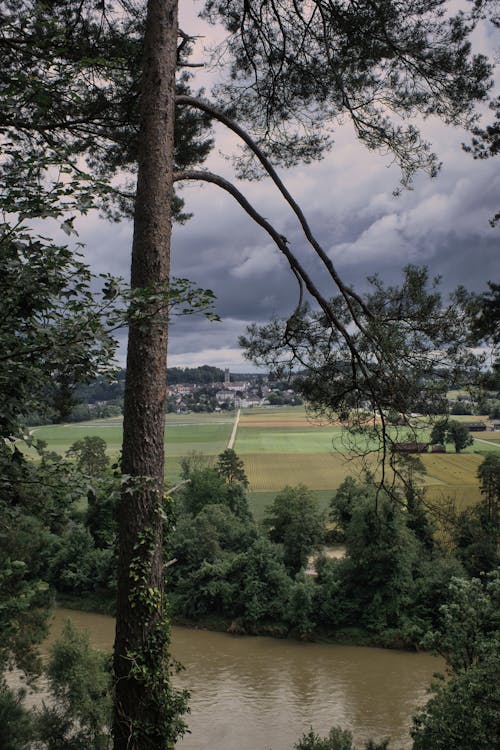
(350, 297)
(295, 265)
(348, 294)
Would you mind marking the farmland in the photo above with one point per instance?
(279, 447)
(203, 433)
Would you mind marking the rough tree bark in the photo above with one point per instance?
(141, 638)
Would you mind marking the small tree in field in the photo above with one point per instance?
(451, 431)
(90, 454)
(489, 478)
(231, 467)
(459, 435)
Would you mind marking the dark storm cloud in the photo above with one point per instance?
(348, 200)
(442, 223)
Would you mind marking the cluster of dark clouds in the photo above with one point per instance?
(348, 199)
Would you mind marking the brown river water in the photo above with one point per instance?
(256, 693)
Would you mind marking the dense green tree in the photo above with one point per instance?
(101, 515)
(476, 530)
(294, 520)
(469, 625)
(16, 724)
(36, 499)
(418, 520)
(373, 586)
(432, 577)
(262, 585)
(464, 711)
(90, 455)
(301, 613)
(204, 546)
(231, 467)
(78, 567)
(205, 487)
(79, 715)
(451, 431)
(475, 540)
(343, 502)
(208, 487)
(240, 577)
(488, 474)
(209, 590)
(464, 714)
(51, 329)
(439, 432)
(206, 536)
(459, 435)
(377, 571)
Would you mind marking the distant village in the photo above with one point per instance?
(211, 389)
(229, 393)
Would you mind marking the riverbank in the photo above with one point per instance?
(392, 640)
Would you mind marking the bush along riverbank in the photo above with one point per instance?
(224, 572)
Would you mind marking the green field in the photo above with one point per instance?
(282, 446)
(204, 433)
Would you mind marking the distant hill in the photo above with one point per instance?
(204, 375)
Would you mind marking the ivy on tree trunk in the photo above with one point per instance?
(146, 708)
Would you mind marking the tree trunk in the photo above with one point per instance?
(145, 717)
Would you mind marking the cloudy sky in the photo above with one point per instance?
(347, 198)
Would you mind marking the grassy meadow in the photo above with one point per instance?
(281, 446)
(204, 433)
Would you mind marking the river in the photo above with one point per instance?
(256, 693)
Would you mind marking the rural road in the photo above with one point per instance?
(234, 430)
(488, 442)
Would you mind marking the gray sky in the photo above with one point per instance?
(347, 198)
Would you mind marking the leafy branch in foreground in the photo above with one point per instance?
(298, 68)
(409, 352)
(464, 711)
(70, 85)
(57, 328)
(53, 328)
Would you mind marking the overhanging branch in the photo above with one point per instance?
(282, 244)
(348, 294)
